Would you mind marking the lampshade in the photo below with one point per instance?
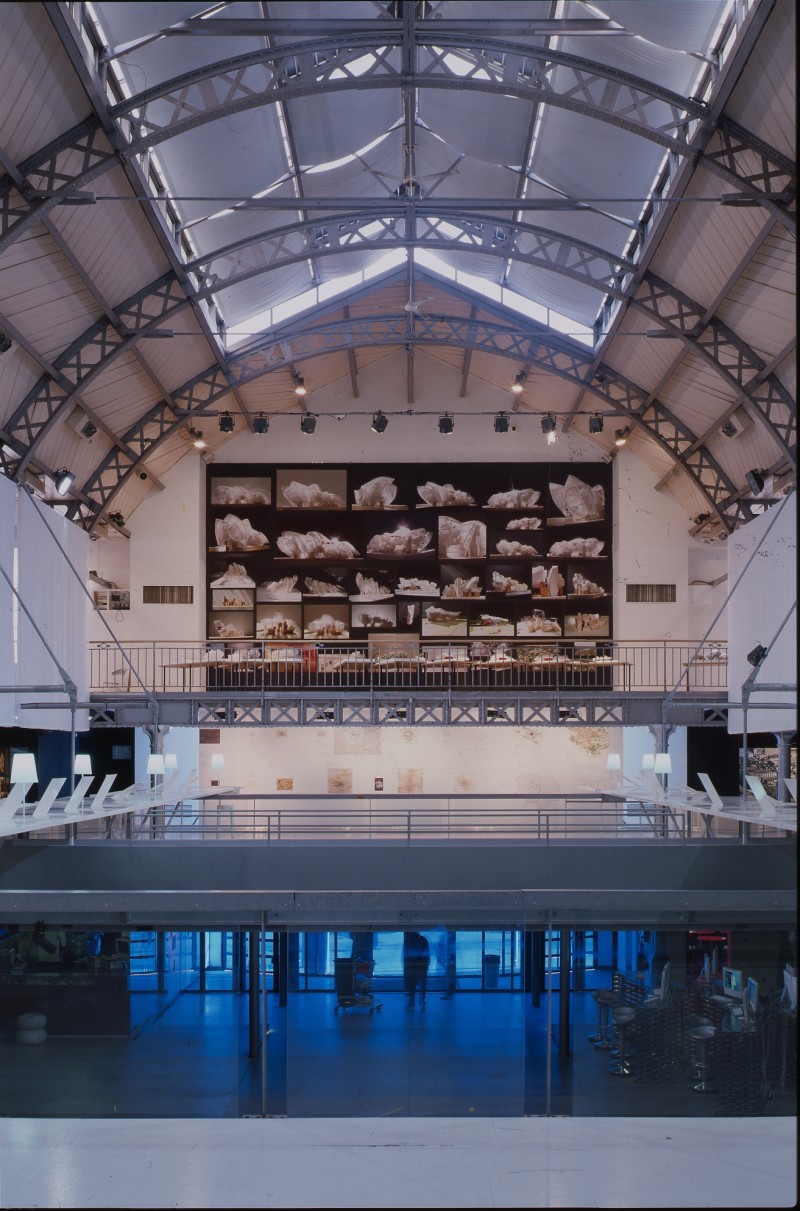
(217, 761)
(648, 761)
(23, 768)
(614, 762)
(83, 763)
(155, 763)
(170, 761)
(663, 763)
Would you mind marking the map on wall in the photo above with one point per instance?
(438, 551)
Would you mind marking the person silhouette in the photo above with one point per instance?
(416, 960)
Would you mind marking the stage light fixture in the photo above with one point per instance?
(501, 422)
(299, 386)
(64, 481)
(198, 439)
(260, 423)
(446, 423)
(621, 436)
(548, 423)
(755, 481)
(117, 519)
(757, 656)
(379, 423)
(226, 423)
(596, 422)
(518, 384)
(308, 423)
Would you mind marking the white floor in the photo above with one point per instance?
(558, 1162)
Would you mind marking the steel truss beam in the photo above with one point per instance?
(530, 346)
(318, 66)
(419, 708)
(482, 234)
(530, 244)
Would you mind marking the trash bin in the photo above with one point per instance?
(491, 970)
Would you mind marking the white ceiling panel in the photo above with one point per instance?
(43, 295)
(765, 100)
(41, 97)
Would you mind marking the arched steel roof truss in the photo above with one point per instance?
(315, 67)
(714, 341)
(534, 348)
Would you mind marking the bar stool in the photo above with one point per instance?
(692, 1022)
(701, 1036)
(623, 1015)
(604, 999)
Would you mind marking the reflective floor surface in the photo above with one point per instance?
(420, 1162)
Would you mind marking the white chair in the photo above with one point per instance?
(105, 787)
(48, 798)
(710, 790)
(13, 801)
(72, 805)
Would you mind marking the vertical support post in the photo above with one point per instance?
(253, 998)
(161, 955)
(201, 952)
(564, 1049)
(262, 933)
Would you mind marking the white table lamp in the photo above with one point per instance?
(155, 767)
(23, 769)
(83, 765)
(648, 761)
(662, 763)
(217, 761)
(170, 761)
(613, 763)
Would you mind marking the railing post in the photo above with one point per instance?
(408, 827)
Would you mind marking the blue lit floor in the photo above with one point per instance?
(479, 1054)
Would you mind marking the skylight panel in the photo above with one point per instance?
(362, 151)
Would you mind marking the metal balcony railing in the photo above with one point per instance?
(243, 665)
(403, 819)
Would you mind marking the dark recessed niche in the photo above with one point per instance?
(338, 553)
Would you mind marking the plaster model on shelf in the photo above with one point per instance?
(323, 588)
(577, 548)
(414, 587)
(461, 539)
(277, 627)
(524, 523)
(509, 546)
(310, 496)
(370, 589)
(234, 577)
(577, 501)
(237, 534)
(508, 585)
(402, 541)
(377, 493)
(315, 545)
(515, 498)
(443, 494)
(464, 588)
(283, 589)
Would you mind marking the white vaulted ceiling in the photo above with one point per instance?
(549, 183)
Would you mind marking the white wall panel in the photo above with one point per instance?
(764, 592)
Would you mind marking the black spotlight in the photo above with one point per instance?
(446, 423)
(117, 519)
(755, 482)
(621, 436)
(379, 423)
(501, 422)
(596, 422)
(757, 656)
(260, 423)
(308, 423)
(64, 480)
(226, 423)
(548, 423)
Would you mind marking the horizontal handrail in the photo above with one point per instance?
(244, 665)
(408, 819)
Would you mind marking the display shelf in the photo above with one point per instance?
(453, 529)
